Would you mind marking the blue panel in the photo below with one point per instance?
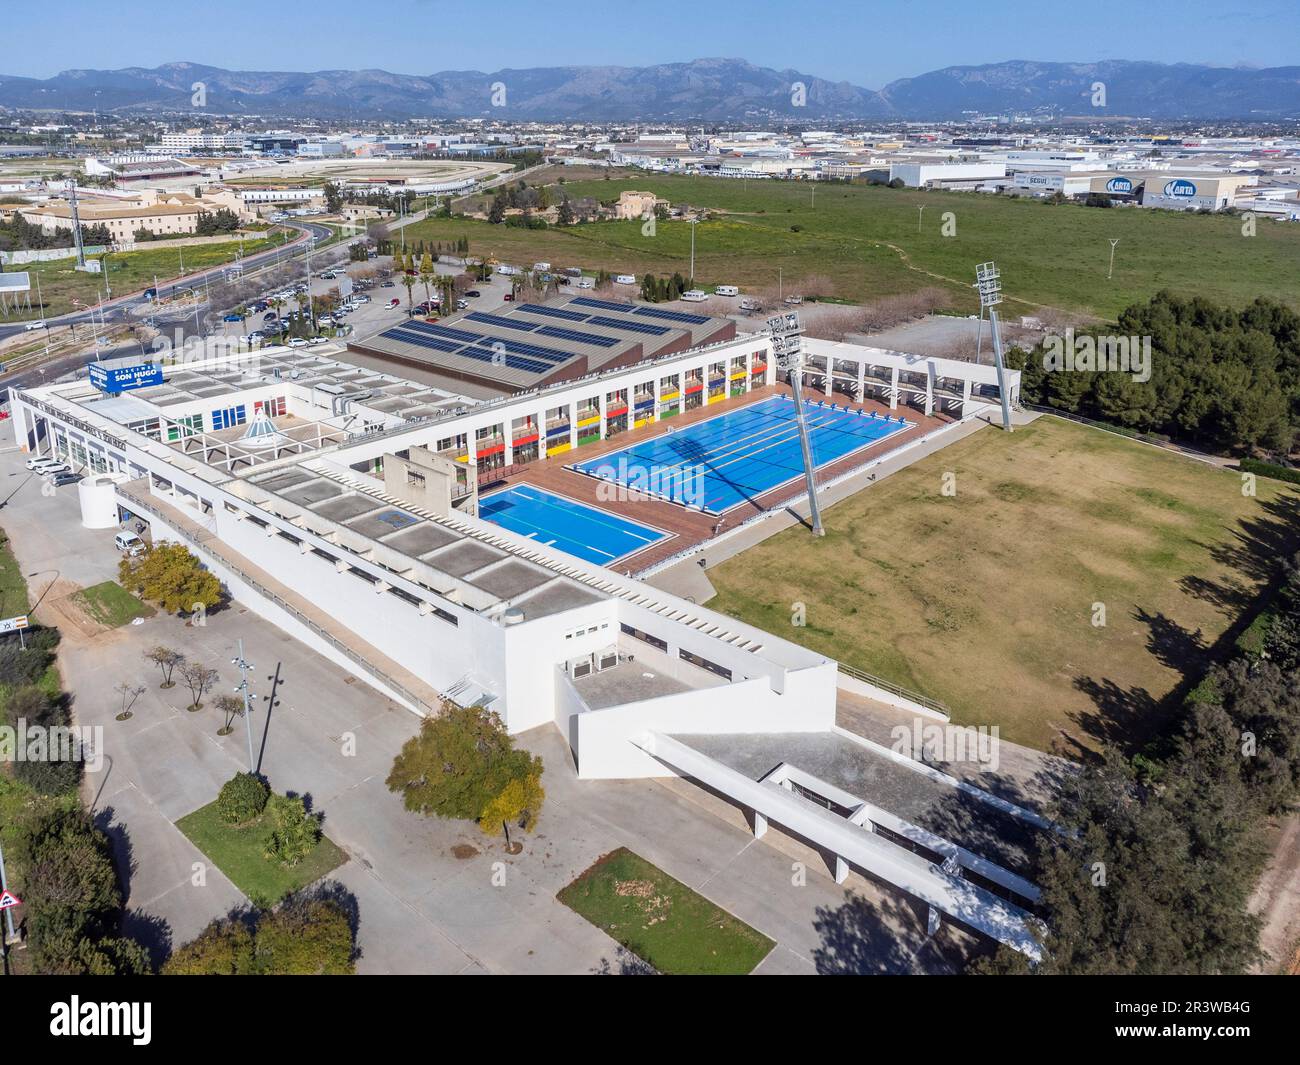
(672, 316)
(604, 305)
(553, 312)
(578, 337)
(629, 326)
(500, 322)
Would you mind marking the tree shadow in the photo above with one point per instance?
(861, 938)
(152, 932)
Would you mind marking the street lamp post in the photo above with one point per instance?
(1111, 270)
(694, 223)
(243, 690)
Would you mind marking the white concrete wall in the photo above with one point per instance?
(605, 748)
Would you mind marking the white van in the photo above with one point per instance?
(749, 303)
(507, 269)
(585, 282)
(726, 290)
(541, 268)
(695, 295)
(129, 544)
(624, 279)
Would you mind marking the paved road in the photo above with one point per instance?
(119, 308)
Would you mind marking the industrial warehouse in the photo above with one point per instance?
(439, 548)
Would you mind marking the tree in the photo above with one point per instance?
(305, 937)
(333, 198)
(564, 214)
(242, 799)
(199, 679)
(224, 948)
(230, 707)
(409, 282)
(519, 802)
(461, 761)
(170, 576)
(72, 893)
(294, 831)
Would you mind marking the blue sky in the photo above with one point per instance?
(868, 43)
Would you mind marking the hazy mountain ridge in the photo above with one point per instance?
(703, 89)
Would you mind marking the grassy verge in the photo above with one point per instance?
(992, 599)
(661, 920)
(866, 241)
(129, 271)
(239, 852)
(112, 605)
(13, 586)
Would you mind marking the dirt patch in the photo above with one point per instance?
(654, 907)
(62, 608)
(464, 852)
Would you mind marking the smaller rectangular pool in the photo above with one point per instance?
(557, 521)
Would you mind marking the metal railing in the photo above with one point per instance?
(896, 689)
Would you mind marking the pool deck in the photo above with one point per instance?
(688, 527)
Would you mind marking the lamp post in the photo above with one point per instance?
(989, 284)
(1111, 269)
(694, 222)
(787, 348)
(243, 689)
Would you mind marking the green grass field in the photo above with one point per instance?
(661, 920)
(867, 242)
(239, 853)
(986, 599)
(128, 271)
(112, 605)
(13, 585)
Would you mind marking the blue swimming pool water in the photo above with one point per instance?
(719, 463)
(588, 533)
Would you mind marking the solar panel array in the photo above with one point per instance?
(535, 358)
(672, 316)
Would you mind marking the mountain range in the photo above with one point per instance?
(707, 90)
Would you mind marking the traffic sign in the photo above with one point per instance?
(14, 624)
(8, 900)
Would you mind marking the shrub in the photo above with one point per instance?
(243, 797)
(311, 937)
(224, 948)
(49, 777)
(1271, 469)
(294, 831)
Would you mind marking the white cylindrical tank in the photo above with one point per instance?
(98, 502)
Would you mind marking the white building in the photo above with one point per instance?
(919, 175)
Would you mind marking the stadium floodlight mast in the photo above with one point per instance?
(989, 284)
(787, 348)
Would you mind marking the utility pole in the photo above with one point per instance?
(76, 223)
(243, 690)
(694, 223)
(787, 348)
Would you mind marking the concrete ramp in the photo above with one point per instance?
(944, 891)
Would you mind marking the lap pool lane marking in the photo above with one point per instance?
(726, 434)
(538, 514)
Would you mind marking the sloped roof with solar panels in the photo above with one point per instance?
(524, 345)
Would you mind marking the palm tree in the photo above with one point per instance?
(427, 275)
(409, 282)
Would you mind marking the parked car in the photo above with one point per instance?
(270, 316)
(793, 301)
(508, 297)
(58, 480)
(232, 318)
(43, 463)
(130, 544)
(386, 284)
(318, 340)
(394, 302)
(473, 294)
(326, 319)
(297, 342)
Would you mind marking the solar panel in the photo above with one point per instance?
(553, 312)
(500, 322)
(630, 326)
(672, 316)
(515, 362)
(581, 338)
(517, 347)
(604, 305)
(433, 343)
(457, 334)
